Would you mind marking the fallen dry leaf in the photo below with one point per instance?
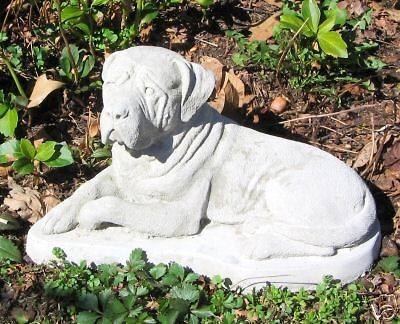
(43, 87)
(25, 201)
(217, 68)
(265, 30)
(365, 155)
(389, 248)
(275, 3)
(93, 126)
(391, 159)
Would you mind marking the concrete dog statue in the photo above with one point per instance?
(179, 167)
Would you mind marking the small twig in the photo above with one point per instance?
(357, 108)
(205, 42)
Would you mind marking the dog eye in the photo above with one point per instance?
(149, 91)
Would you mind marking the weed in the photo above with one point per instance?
(141, 292)
(313, 48)
(24, 154)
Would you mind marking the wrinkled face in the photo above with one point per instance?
(140, 106)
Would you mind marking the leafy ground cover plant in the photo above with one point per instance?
(313, 48)
(140, 292)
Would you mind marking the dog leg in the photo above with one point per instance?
(166, 219)
(63, 217)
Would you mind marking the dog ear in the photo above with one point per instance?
(197, 85)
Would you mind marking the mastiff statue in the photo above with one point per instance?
(189, 185)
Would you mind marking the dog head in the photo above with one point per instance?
(149, 92)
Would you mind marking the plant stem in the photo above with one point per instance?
(71, 58)
(138, 16)
(14, 75)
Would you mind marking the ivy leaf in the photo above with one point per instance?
(27, 149)
(310, 11)
(8, 250)
(333, 44)
(61, 157)
(8, 122)
(23, 166)
(45, 151)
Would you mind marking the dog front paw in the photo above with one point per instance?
(60, 219)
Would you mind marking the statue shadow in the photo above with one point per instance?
(384, 209)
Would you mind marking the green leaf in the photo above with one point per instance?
(102, 152)
(61, 157)
(88, 65)
(87, 318)
(333, 44)
(97, 3)
(88, 301)
(65, 65)
(340, 15)
(137, 259)
(8, 250)
(205, 3)
(389, 264)
(71, 12)
(310, 11)
(203, 312)
(23, 166)
(186, 291)
(85, 28)
(8, 122)
(114, 308)
(45, 151)
(9, 147)
(27, 148)
(3, 109)
(328, 24)
(8, 222)
(294, 23)
(158, 271)
(169, 317)
(149, 17)
(191, 277)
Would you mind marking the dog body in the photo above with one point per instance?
(178, 167)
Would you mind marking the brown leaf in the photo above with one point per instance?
(364, 155)
(237, 86)
(50, 202)
(94, 126)
(389, 248)
(217, 68)
(264, 31)
(25, 201)
(43, 87)
(279, 105)
(5, 170)
(391, 159)
(275, 3)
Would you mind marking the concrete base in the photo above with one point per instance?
(214, 251)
